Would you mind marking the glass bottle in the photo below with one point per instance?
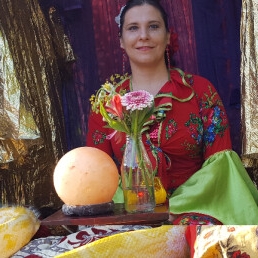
(137, 177)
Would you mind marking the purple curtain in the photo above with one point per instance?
(208, 37)
(217, 33)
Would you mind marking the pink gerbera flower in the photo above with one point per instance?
(137, 100)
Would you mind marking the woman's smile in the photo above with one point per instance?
(144, 48)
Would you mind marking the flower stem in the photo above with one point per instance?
(144, 170)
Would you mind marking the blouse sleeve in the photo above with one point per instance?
(216, 131)
(96, 134)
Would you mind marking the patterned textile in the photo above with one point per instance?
(51, 246)
(195, 219)
(226, 241)
(207, 241)
(249, 83)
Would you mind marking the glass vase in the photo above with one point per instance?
(137, 177)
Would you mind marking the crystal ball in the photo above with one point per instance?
(85, 176)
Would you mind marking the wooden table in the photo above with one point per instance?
(118, 217)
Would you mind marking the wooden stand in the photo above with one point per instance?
(118, 217)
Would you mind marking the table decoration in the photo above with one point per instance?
(86, 180)
(127, 112)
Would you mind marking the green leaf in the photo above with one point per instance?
(144, 115)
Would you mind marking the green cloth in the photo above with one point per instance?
(222, 189)
(119, 195)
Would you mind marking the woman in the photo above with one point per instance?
(189, 140)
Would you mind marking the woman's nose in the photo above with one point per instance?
(144, 34)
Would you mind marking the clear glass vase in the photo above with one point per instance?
(137, 177)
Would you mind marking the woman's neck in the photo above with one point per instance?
(148, 79)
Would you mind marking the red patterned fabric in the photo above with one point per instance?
(195, 219)
(183, 133)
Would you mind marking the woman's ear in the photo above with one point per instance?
(121, 43)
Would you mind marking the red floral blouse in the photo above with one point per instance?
(189, 125)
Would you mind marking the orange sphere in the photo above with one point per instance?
(85, 176)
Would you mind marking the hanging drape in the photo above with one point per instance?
(249, 83)
(217, 30)
(34, 54)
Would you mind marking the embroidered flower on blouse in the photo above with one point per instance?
(217, 126)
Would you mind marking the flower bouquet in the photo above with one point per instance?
(128, 112)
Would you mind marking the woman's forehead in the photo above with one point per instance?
(143, 12)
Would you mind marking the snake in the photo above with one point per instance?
(163, 241)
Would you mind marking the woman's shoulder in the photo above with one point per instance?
(200, 84)
(190, 78)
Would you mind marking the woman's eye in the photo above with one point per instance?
(154, 26)
(133, 28)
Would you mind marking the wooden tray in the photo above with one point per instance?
(118, 217)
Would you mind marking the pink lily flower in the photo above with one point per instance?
(115, 107)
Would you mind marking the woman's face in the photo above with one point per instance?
(144, 36)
